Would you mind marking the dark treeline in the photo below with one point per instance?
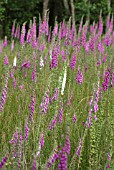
(62, 9)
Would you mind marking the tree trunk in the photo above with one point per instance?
(45, 7)
(72, 11)
(1, 31)
(109, 5)
(66, 5)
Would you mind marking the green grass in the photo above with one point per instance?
(97, 141)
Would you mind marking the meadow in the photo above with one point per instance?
(57, 97)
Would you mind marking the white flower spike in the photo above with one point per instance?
(15, 61)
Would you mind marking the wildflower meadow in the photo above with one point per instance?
(57, 96)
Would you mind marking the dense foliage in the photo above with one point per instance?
(57, 97)
(25, 10)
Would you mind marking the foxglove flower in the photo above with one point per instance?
(109, 157)
(99, 63)
(104, 59)
(61, 115)
(55, 31)
(45, 103)
(106, 82)
(42, 47)
(34, 73)
(53, 158)
(63, 162)
(26, 64)
(63, 55)
(100, 29)
(41, 63)
(79, 149)
(23, 32)
(12, 46)
(66, 147)
(43, 27)
(21, 87)
(69, 101)
(80, 27)
(13, 29)
(55, 96)
(54, 62)
(83, 39)
(107, 39)
(15, 61)
(87, 47)
(32, 108)
(53, 123)
(108, 166)
(3, 96)
(34, 164)
(41, 144)
(5, 41)
(100, 47)
(89, 119)
(74, 118)
(29, 36)
(6, 62)
(2, 163)
(12, 74)
(79, 76)
(64, 81)
(92, 43)
(73, 62)
(95, 117)
(26, 132)
(16, 31)
(14, 139)
(34, 41)
(95, 107)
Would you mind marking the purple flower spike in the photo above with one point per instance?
(54, 121)
(34, 164)
(14, 139)
(61, 115)
(2, 163)
(34, 73)
(32, 108)
(108, 166)
(6, 62)
(79, 149)
(26, 64)
(95, 107)
(79, 77)
(55, 96)
(109, 157)
(23, 32)
(74, 118)
(26, 131)
(3, 96)
(45, 103)
(106, 82)
(63, 162)
(73, 62)
(5, 41)
(53, 158)
(41, 144)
